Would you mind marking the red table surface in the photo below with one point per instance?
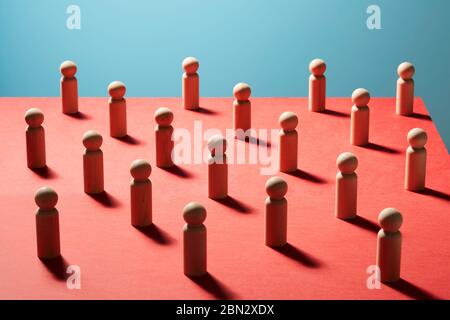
(326, 258)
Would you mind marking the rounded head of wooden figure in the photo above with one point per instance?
(34, 117)
(406, 70)
(347, 162)
(92, 140)
(68, 69)
(116, 89)
(164, 116)
(140, 169)
(317, 67)
(217, 143)
(190, 65)
(417, 138)
(390, 219)
(242, 91)
(276, 188)
(361, 97)
(46, 198)
(288, 121)
(194, 214)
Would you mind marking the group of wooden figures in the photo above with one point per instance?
(194, 232)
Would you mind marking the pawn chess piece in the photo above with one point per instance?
(389, 245)
(288, 142)
(346, 186)
(141, 193)
(416, 160)
(405, 89)
(47, 224)
(217, 168)
(93, 163)
(35, 139)
(194, 240)
(241, 110)
(276, 212)
(163, 138)
(317, 85)
(191, 86)
(359, 135)
(117, 110)
(69, 87)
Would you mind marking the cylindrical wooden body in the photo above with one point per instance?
(35, 143)
(346, 195)
(415, 169)
(117, 118)
(241, 117)
(69, 95)
(141, 203)
(389, 246)
(164, 146)
(276, 222)
(359, 134)
(317, 93)
(194, 250)
(47, 233)
(217, 177)
(93, 171)
(288, 150)
(191, 91)
(405, 97)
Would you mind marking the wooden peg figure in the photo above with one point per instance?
(163, 138)
(194, 240)
(416, 160)
(93, 163)
(191, 84)
(141, 193)
(276, 212)
(317, 85)
(69, 87)
(359, 135)
(47, 224)
(288, 142)
(241, 110)
(117, 110)
(405, 89)
(346, 186)
(389, 245)
(217, 168)
(35, 139)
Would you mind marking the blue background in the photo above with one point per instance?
(267, 43)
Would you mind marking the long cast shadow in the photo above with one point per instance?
(130, 140)
(297, 255)
(306, 176)
(235, 204)
(57, 267)
(213, 286)
(45, 172)
(435, 193)
(411, 290)
(380, 148)
(156, 234)
(336, 113)
(420, 116)
(105, 199)
(205, 111)
(364, 224)
(79, 115)
(256, 141)
(178, 171)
